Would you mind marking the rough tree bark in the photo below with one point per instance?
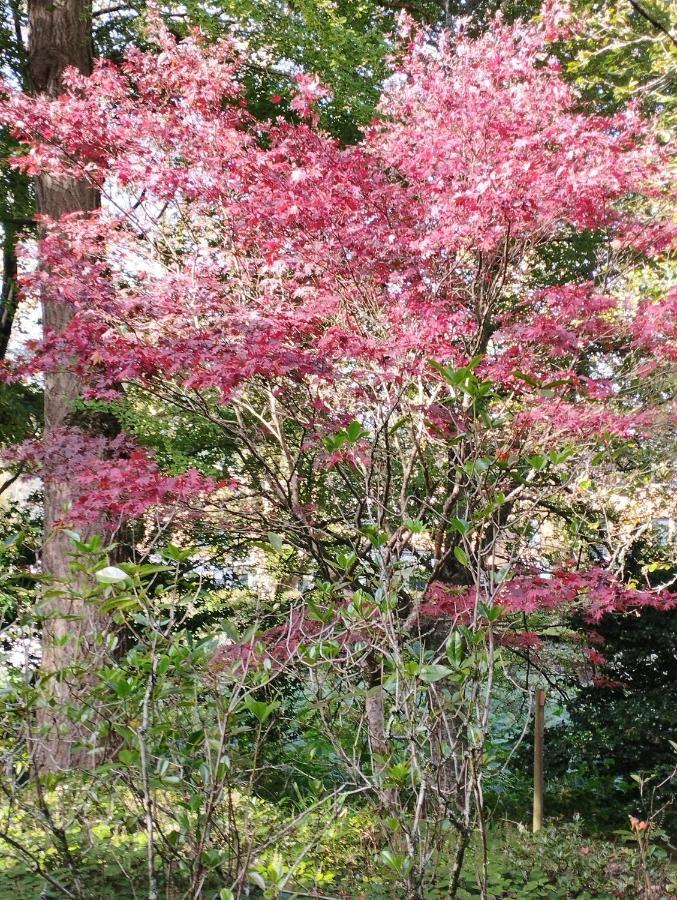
(16, 206)
(8, 297)
(59, 37)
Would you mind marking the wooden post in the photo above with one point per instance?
(539, 719)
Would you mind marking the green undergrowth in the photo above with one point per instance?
(339, 856)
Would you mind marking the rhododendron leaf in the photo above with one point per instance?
(460, 525)
(557, 457)
(538, 461)
(111, 575)
(318, 613)
(491, 613)
(354, 432)
(461, 556)
(128, 757)
(257, 880)
(260, 709)
(150, 569)
(163, 664)
(456, 647)
(170, 551)
(377, 537)
(434, 672)
(346, 560)
(120, 604)
(416, 526)
(335, 441)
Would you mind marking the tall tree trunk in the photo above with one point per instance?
(8, 292)
(16, 207)
(59, 37)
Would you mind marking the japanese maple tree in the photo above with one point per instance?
(233, 254)
(405, 397)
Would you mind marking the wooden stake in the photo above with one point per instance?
(539, 719)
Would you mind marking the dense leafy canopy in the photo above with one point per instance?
(411, 377)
